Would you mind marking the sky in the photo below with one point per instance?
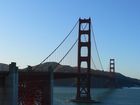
(31, 29)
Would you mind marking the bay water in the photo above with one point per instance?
(123, 96)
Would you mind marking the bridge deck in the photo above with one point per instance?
(43, 75)
(57, 75)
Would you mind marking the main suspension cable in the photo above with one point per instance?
(57, 46)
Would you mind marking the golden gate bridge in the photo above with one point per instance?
(34, 86)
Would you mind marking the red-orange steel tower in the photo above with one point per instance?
(112, 66)
(83, 81)
(112, 81)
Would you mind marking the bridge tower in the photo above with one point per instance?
(112, 66)
(112, 83)
(83, 81)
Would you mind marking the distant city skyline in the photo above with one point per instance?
(31, 29)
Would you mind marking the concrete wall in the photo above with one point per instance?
(9, 87)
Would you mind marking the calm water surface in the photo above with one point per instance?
(125, 96)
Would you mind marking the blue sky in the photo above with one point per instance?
(31, 29)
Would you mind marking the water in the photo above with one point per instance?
(125, 96)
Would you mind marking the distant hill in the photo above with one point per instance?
(121, 80)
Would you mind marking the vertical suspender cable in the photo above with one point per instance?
(66, 53)
(96, 47)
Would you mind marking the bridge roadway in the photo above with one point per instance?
(42, 75)
(34, 80)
